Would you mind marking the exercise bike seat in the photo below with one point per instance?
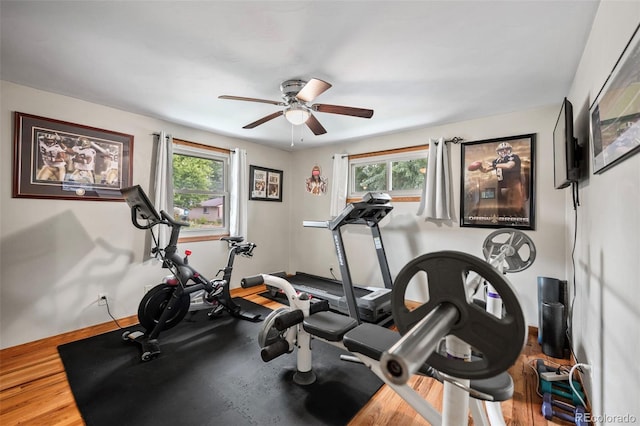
(237, 239)
(328, 325)
(372, 340)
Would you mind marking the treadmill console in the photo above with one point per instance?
(376, 198)
(374, 207)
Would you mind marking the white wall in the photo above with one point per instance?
(607, 308)
(56, 256)
(406, 235)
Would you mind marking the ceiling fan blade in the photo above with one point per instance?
(263, 120)
(314, 125)
(312, 90)
(240, 98)
(344, 110)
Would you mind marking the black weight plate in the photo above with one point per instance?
(499, 340)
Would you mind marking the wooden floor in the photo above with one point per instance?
(34, 388)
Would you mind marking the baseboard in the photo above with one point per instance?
(83, 333)
(67, 337)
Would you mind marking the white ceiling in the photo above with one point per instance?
(416, 63)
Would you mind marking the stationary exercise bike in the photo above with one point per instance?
(185, 290)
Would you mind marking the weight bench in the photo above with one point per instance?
(447, 317)
(372, 340)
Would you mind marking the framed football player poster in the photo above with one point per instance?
(61, 160)
(497, 189)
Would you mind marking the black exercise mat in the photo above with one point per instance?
(210, 373)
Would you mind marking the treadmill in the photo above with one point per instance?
(370, 304)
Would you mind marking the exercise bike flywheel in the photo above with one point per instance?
(153, 303)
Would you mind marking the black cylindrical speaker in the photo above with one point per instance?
(553, 329)
(548, 291)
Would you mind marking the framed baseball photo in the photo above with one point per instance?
(61, 160)
(497, 188)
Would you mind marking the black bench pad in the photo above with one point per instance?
(328, 325)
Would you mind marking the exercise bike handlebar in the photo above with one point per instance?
(408, 354)
(171, 221)
(245, 249)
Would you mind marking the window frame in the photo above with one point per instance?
(182, 147)
(388, 157)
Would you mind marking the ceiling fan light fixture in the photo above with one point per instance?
(297, 114)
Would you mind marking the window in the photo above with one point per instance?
(200, 193)
(400, 173)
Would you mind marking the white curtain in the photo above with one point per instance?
(238, 188)
(163, 184)
(435, 200)
(339, 184)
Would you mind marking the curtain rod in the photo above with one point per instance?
(204, 146)
(454, 140)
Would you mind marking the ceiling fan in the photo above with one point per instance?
(296, 94)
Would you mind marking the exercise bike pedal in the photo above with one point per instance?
(212, 296)
(216, 311)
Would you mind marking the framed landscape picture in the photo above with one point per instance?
(615, 114)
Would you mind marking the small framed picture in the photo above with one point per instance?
(265, 184)
(497, 188)
(61, 160)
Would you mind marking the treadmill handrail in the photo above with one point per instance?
(315, 223)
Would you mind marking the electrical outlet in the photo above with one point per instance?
(102, 299)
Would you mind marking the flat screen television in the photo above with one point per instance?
(566, 166)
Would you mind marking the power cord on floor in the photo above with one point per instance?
(332, 274)
(574, 368)
(106, 303)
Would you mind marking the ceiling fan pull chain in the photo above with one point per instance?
(292, 136)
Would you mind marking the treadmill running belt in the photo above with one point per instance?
(374, 303)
